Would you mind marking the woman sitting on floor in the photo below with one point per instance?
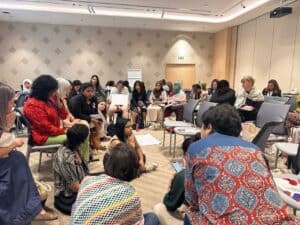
(170, 211)
(176, 102)
(124, 134)
(227, 179)
(109, 198)
(139, 104)
(45, 111)
(69, 168)
(20, 201)
(158, 99)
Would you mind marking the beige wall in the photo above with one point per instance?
(28, 50)
(270, 49)
(224, 48)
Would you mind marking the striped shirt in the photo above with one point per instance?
(106, 200)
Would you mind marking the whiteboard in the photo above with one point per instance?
(134, 75)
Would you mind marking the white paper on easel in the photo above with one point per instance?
(147, 139)
(119, 99)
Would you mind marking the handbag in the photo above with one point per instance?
(43, 190)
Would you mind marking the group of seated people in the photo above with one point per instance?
(226, 180)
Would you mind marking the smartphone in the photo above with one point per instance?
(176, 166)
(296, 196)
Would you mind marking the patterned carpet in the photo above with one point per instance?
(150, 186)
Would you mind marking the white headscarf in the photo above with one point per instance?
(26, 90)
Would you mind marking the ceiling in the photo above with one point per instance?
(187, 15)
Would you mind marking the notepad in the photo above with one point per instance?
(119, 99)
(146, 140)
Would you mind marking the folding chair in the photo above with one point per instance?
(188, 120)
(41, 148)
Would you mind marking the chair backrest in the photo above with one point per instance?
(21, 100)
(203, 108)
(189, 110)
(27, 124)
(276, 99)
(292, 101)
(262, 136)
(270, 112)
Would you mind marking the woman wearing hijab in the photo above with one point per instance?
(26, 86)
(176, 101)
(158, 98)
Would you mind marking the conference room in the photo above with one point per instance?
(149, 112)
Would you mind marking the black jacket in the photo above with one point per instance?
(276, 93)
(81, 109)
(226, 97)
(136, 97)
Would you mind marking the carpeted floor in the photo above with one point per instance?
(151, 187)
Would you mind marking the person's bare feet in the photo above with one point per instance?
(45, 216)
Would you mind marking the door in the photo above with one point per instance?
(185, 73)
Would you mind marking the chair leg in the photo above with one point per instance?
(164, 138)
(170, 147)
(174, 147)
(28, 155)
(40, 162)
(276, 159)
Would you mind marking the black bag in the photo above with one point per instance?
(63, 203)
(111, 130)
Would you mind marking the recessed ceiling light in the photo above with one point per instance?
(5, 12)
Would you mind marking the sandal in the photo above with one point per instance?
(46, 217)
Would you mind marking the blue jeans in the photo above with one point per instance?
(150, 219)
(186, 221)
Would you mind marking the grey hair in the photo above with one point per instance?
(63, 84)
(6, 95)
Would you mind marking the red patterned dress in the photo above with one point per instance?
(228, 182)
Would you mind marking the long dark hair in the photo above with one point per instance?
(157, 93)
(142, 86)
(212, 83)
(98, 85)
(276, 86)
(120, 128)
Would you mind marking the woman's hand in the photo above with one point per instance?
(142, 164)
(10, 119)
(18, 142)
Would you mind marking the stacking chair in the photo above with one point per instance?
(41, 148)
(276, 99)
(272, 112)
(188, 120)
(192, 131)
(262, 137)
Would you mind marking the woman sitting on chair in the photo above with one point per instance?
(158, 99)
(176, 102)
(139, 104)
(84, 107)
(20, 201)
(45, 111)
